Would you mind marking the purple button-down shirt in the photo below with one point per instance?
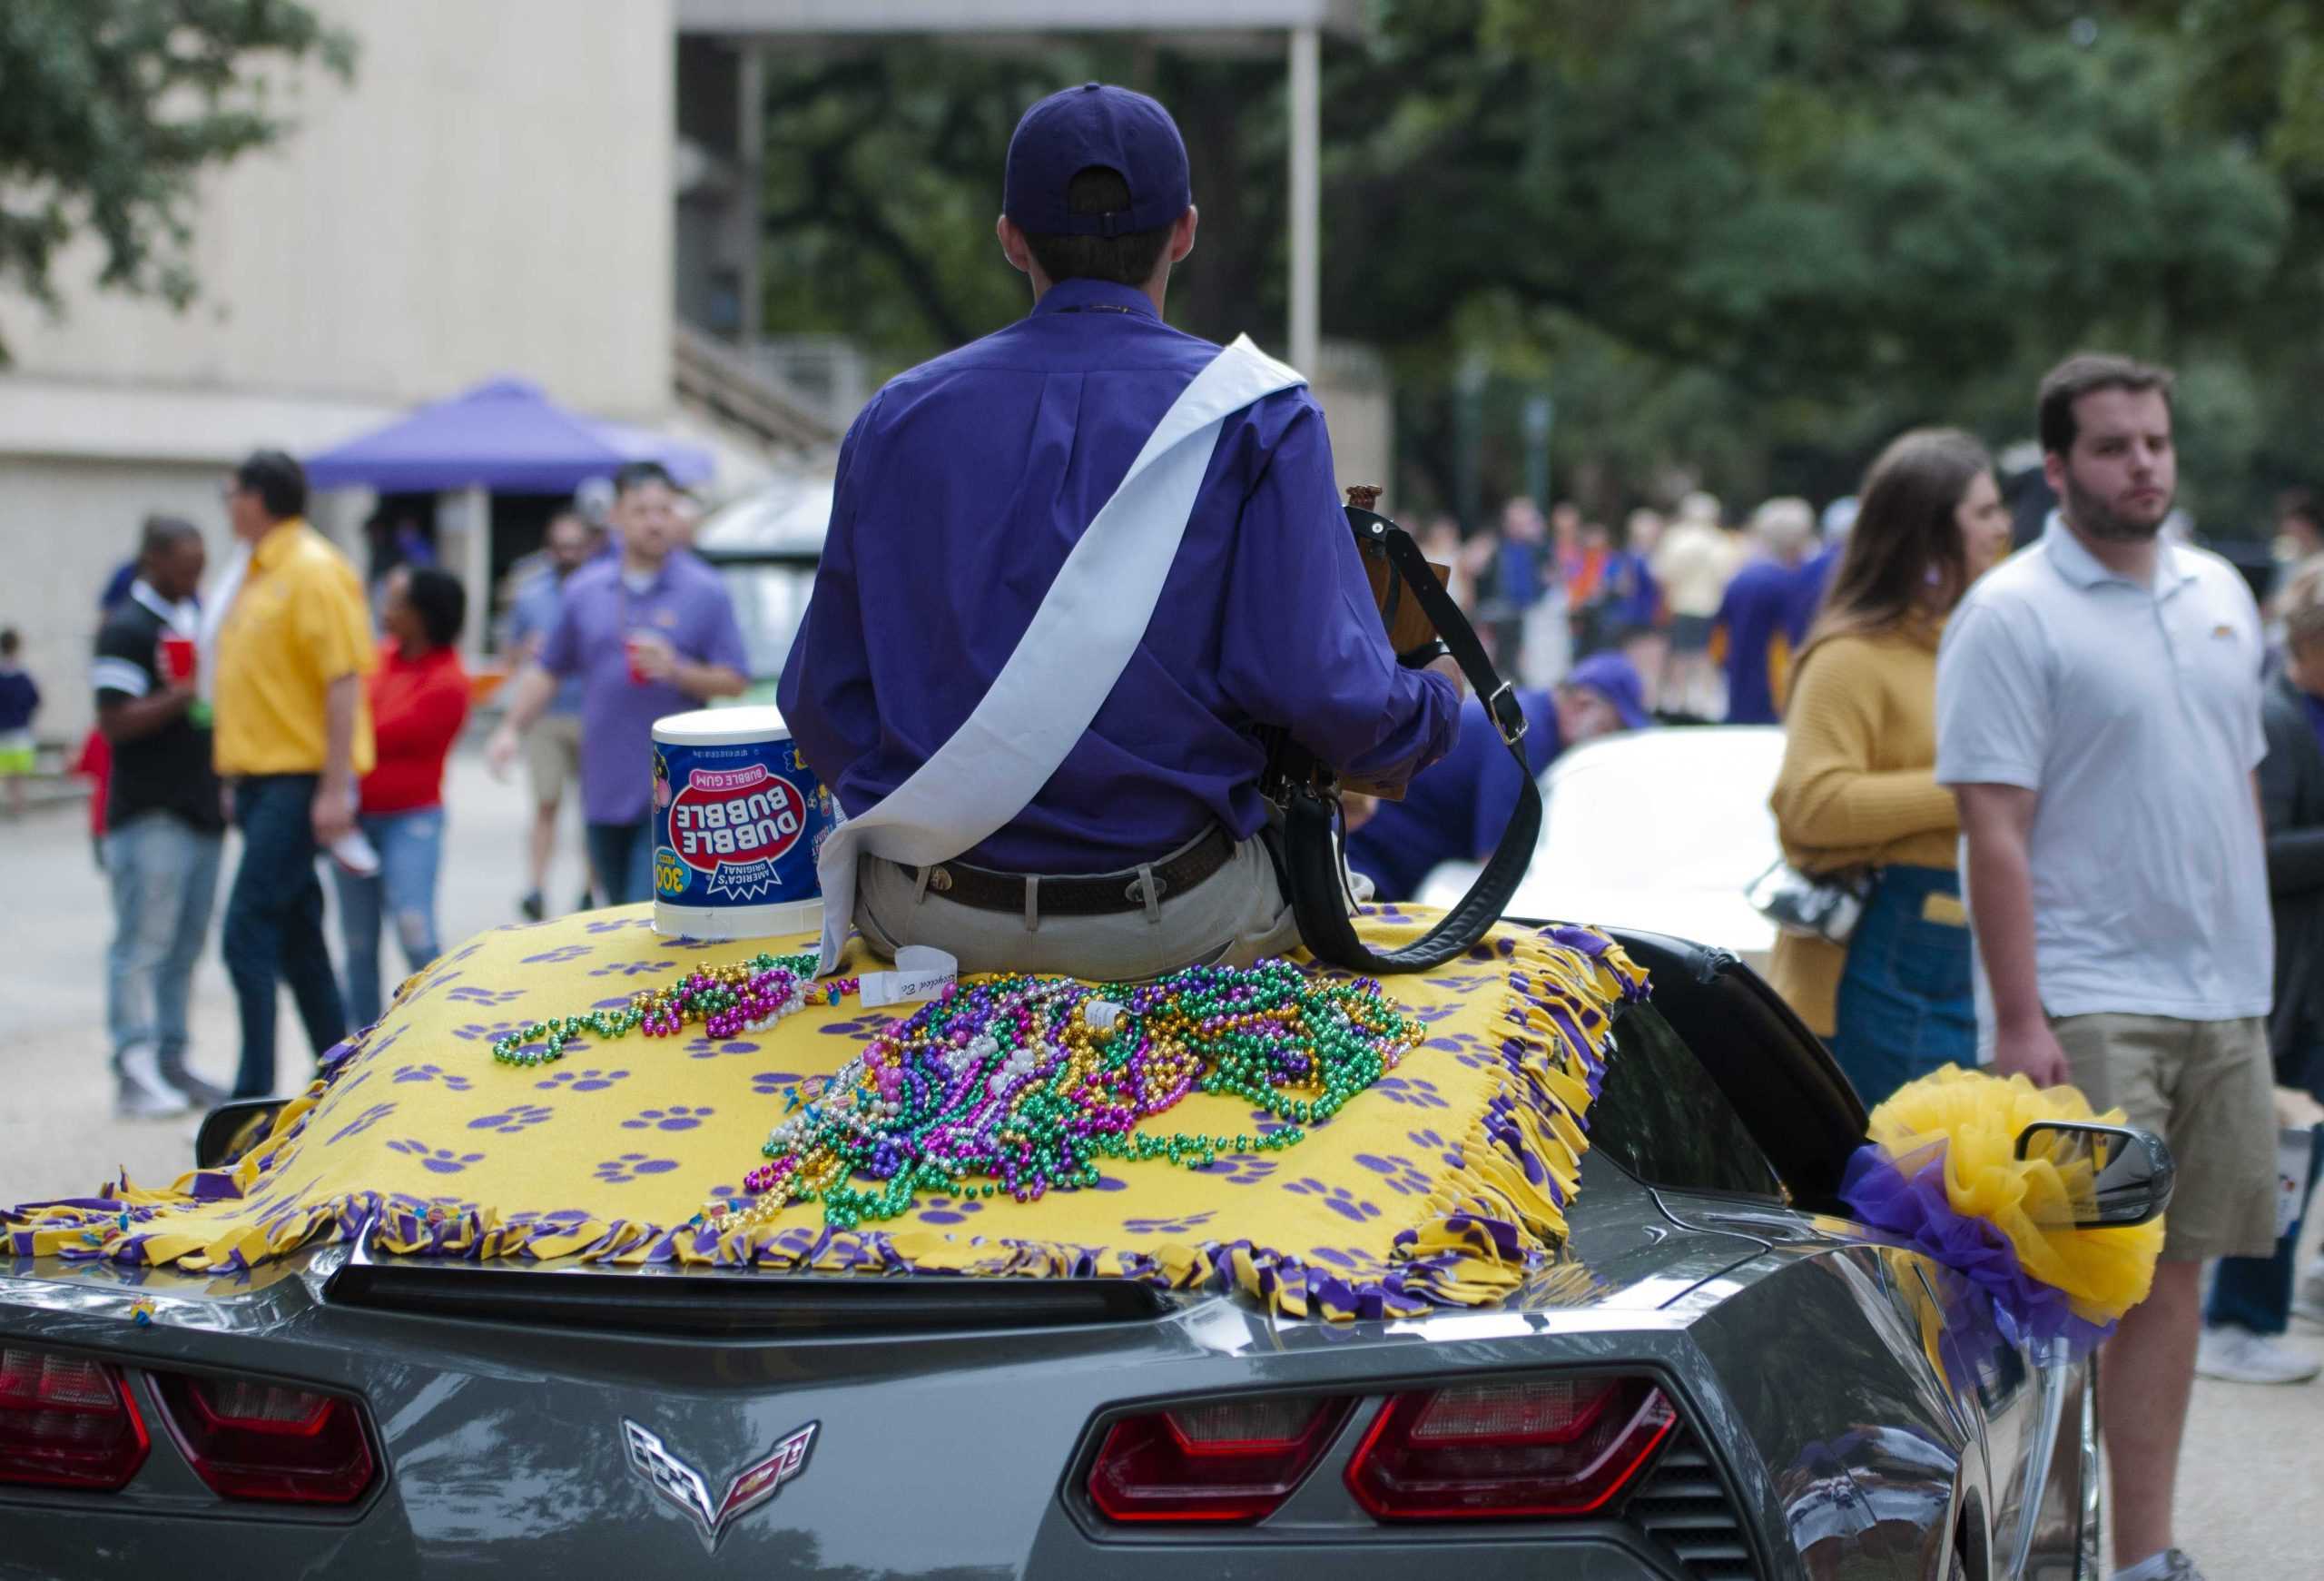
(962, 487)
(687, 604)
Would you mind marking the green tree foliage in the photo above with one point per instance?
(109, 108)
(1747, 239)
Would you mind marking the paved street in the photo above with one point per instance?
(52, 983)
(2254, 1495)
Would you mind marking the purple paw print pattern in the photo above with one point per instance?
(516, 1118)
(704, 1049)
(486, 1031)
(1468, 1047)
(616, 924)
(490, 998)
(1177, 1224)
(772, 1083)
(1397, 1173)
(676, 1117)
(632, 968)
(1239, 1169)
(558, 1219)
(1352, 1259)
(1416, 1091)
(863, 1027)
(946, 1211)
(588, 1079)
(432, 1072)
(436, 1161)
(632, 1166)
(558, 956)
(1338, 1198)
(1444, 1147)
(360, 1123)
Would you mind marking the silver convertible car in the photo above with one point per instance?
(1718, 1377)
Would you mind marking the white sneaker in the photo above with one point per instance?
(2171, 1564)
(2238, 1356)
(143, 1093)
(2308, 1296)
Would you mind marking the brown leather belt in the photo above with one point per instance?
(1079, 896)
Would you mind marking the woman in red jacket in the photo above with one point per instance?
(419, 699)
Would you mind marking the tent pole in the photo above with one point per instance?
(472, 508)
(1306, 155)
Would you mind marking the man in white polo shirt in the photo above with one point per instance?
(2098, 716)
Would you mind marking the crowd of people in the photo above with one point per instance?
(2069, 796)
(2066, 801)
(1708, 615)
(316, 714)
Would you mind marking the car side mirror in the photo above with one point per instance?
(2133, 1171)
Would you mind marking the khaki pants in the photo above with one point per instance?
(552, 756)
(1235, 916)
(2206, 1087)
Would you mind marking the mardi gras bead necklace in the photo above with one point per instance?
(1020, 1085)
(745, 996)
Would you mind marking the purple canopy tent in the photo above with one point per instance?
(503, 436)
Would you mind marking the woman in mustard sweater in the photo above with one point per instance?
(1858, 791)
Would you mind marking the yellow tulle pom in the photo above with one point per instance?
(1977, 1116)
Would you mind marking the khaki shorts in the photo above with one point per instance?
(552, 756)
(1235, 916)
(2206, 1087)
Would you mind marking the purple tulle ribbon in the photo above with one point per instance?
(1913, 1209)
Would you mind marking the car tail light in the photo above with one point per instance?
(1494, 1451)
(249, 1439)
(1224, 1460)
(65, 1422)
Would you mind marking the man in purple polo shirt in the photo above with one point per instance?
(962, 487)
(649, 632)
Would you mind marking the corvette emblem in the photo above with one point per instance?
(683, 1486)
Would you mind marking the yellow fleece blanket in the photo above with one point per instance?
(1443, 1184)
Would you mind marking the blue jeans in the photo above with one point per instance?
(1905, 1005)
(622, 854)
(274, 925)
(164, 878)
(2255, 1292)
(411, 849)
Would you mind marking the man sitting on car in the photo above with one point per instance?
(962, 489)
(1457, 810)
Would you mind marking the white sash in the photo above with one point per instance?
(1065, 665)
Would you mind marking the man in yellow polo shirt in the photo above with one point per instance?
(293, 735)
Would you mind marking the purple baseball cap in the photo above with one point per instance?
(1614, 679)
(1096, 123)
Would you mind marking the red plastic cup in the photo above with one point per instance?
(179, 657)
(629, 647)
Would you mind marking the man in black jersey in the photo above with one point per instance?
(165, 827)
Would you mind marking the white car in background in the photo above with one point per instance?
(765, 546)
(1657, 830)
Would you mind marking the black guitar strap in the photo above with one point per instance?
(1313, 867)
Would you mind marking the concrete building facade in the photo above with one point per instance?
(491, 194)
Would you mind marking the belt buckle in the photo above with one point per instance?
(1492, 712)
